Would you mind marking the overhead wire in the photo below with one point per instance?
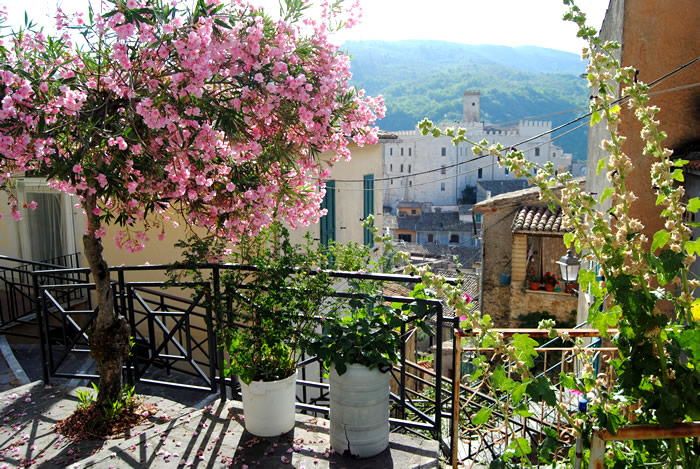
(451, 176)
(622, 99)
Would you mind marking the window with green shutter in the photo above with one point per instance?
(328, 220)
(368, 205)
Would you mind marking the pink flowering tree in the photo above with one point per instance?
(214, 115)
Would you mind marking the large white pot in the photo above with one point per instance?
(359, 411)
(269, 407)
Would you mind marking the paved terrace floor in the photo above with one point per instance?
(177, 436)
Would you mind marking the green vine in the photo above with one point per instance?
(646, 291)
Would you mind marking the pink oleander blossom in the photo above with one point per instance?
(168, 85)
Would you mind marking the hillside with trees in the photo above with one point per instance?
(428, 78)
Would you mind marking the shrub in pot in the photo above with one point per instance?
(359, 344)
(550, 281)
(271, 300)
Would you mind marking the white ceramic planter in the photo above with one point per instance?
(269, 407)
(359, 411)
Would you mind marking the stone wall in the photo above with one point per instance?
(523, 301)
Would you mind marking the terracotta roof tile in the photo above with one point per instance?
(693, 165)
(541, 219)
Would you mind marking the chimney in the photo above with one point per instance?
(472, 106)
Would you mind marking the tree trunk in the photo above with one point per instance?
(109, 337)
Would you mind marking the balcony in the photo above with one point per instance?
(176, 355)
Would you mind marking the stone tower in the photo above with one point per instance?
(472, 106)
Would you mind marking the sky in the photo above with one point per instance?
(500, 22)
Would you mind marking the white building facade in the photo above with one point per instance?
(421, 168)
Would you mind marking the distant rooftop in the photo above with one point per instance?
(501, 187)
(438, 221)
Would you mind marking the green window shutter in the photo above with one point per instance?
(368, 205)
(328, 220)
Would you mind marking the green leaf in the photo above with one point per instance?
(692, 246)
(607, 192)
(678, 175)
(547, 448)
(671, 264)
(541, 390)
(518, 391)
(521, 447)
(482, 416)
(595, 118)
(568, 239)
(525, 348)
(693, 205)
(661, 237)
(500, 380)
(601, 165)
(603, 320)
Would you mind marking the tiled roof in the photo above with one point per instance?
(436, 221)
(403, 204)
(504, 186)
(538, 219)
(467, 255)
(694, 165)
(518, 198)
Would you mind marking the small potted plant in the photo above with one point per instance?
(265, 315)
(273, 317)
(550, 281)
(532, 280)
(359, 344)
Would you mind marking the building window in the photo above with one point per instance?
(391, 151)
(537, 151)
(413, 211)
(480, 173)
(327, 221)
(402, 151)
(454, 239)
(409, 168)
(368, 206)
(401, 167)
(478, 218)
(391, 167)
(410, 183)
(430, 237)
(405, 237)
(443, 151)
(443, 170)
(409, 151)
(442, 186)
(506, 169)
(391, 182)
(554, 154)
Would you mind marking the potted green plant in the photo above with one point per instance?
(266, 314)
(533, 281)
(550, 281)
(359, 344)
(272, 318)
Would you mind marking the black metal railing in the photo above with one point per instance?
(483, 443)
(18, 297)
(175, 342)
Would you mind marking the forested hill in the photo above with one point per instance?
(428, 78)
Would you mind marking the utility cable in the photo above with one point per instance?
(617, 101)
(447, 177)
(475, 158)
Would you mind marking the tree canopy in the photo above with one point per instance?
(217, 112)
